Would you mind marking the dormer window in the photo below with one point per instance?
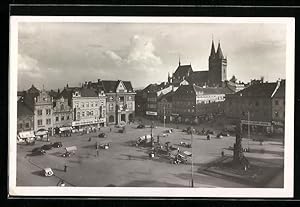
(76, 94)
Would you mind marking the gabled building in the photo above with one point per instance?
(278, 108)
(165, 106)
(120, 99)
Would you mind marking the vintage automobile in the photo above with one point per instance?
(185, 144)
(69, 151)
(104, 146)
(47, 172)
(47, 147)
(102, 135)
(57, 144)
(38, 151)
(140, 126)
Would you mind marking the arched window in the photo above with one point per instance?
(111, 118)
(61, 107)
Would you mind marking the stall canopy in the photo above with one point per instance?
(62, 129)
(26, 135)
(41, 133)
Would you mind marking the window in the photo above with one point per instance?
(61, 107)
(76, 105)
(87, 104)
(48, 121)
(48, 111)
(87, 113)
(111, 107)
(92, 105)
(83, 114)
(40, 122)
(276, 102)
(276, 114)
(62, 118)
(68, 117)
(96, 104)
(27, 125)
(92, 113)
(40, 112)
(111, 119)
(129, 98)
(57, 118)
(78, 115)
(82, 105)
(20, 126)
(122, 98)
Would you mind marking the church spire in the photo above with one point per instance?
(213, 51)
(219, 51)
(179, 61)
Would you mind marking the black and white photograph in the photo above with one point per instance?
(151, 106)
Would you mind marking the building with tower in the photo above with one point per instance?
(215, 76)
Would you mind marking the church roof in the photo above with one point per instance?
(212, 51)
(198, 77)
(219, 51)
(182, 70)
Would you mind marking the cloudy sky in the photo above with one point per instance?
(53, 54)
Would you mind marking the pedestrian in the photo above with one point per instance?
(97, 153)
(90, 139)
(109, 129)
(97, 146)
(222, 153)
(65, 168)
(62, 184)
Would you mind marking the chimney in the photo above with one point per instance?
(67, 85)
(58, 91)
(99, 80)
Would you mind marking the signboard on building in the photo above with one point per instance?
(151, 113)
(84, 122)
(256, 123)
(278, 123)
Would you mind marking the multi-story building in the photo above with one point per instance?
(120, 101)
(192, 103)
(278, 108)
(253, 107)
(89, 107)
(165, 106)
(24, 117)
(41, 103)
(62, 112)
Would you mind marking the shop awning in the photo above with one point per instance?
(41, 133)
(27, 134)
(62, 129)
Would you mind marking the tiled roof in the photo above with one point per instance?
(258, 90)
(182, 70)
(192, 89)
(111, 86)
(198, 77)
(168, 96)
(88, 92)
(53, 94)
(23, 110)
(33, 90)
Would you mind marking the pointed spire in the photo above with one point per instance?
(219, 51)
(213, 51)
(179, 61)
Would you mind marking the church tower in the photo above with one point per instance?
(217, 66)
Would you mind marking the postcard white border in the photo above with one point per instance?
(285, 192)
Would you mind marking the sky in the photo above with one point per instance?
(52, 54)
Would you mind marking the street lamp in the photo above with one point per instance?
(164, 116)
(248, 129)
(152, 125)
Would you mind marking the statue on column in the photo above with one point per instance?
(237, 147)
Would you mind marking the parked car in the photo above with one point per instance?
(102, 135)
(38, 151)
(185, 144)
(140, 126)
(48, 172)
(57, 144)
(47, 147)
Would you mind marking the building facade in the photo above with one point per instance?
(120, 98)
(89, 108)
(62, 113)
(278, 108)
(192, 103)
(24, 117)
(254, 107)
(43, 112)
(165, 107)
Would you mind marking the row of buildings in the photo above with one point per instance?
(192, 96)
(92, 105)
